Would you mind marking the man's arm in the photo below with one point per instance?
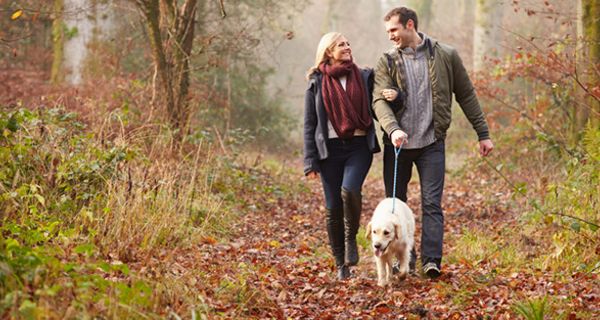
(381, 107)
(467, 98)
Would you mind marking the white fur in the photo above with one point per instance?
(392, 235)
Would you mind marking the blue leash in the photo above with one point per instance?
(397, 152)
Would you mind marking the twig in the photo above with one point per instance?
(17, 38)
(554, 58)
(536, 125)
(223, 13)
(220, 140)
(572, 217)
(512, 185)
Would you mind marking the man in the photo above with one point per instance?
(412, 99)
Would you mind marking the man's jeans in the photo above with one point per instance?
(430, 162)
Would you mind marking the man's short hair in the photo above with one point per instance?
(404, 14)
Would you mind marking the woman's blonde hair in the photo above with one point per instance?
(326, 44)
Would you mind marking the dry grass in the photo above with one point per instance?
(162, 198)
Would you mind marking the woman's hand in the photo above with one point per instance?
(389, 94)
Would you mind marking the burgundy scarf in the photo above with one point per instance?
(346, 109)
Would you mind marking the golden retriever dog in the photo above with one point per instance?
(392, 236)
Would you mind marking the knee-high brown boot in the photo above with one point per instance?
(335, 231)
(352, 210)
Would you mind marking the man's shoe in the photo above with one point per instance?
(431, 270)
(343, 272)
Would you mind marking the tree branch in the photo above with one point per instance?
(512, 185)
(559, 63)
(536, 125)
(223, 13)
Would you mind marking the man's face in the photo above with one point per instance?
(397, 33)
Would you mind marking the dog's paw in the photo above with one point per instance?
(402, 275)
(382, 283)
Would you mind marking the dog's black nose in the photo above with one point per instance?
(377, 245)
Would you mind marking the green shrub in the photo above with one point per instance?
(51, 167)
(78, 206)
(574, 204)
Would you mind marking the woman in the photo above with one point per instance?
(339, 141)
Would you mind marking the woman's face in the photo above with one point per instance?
(341, 51)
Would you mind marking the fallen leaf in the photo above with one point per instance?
(282, 295)
(208, 240)
(320, 294)
(16, 15)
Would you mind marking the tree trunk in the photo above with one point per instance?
(56, 75)
(588, 67)
(171, 53)
(467, 15)
(151, 12)
(228, 105)
(185, 37)
(77, 24)
(487, 36)
(79, 27)
(330, 21)
(424, 13)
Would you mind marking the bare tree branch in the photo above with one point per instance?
(560, 63)
(223, 13)
(514, 187)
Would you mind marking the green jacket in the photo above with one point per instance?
(447, 75)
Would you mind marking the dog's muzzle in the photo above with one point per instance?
(379, 250)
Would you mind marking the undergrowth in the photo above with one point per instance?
(78, 208)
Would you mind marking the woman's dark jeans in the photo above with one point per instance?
(431, 163)
(346, 167)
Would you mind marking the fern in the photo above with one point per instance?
(532, 309)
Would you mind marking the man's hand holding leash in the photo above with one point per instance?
(398, 138)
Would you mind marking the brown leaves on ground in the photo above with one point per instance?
(277, 264)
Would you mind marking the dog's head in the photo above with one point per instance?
(382, 234)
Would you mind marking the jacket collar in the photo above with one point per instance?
(430, 43)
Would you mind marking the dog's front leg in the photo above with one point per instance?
(388, 269)
(403, 261)
(381, 273)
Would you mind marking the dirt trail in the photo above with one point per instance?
(278, 265)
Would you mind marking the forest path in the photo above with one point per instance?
(278, 265)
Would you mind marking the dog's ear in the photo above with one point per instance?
(396, 231)
(368, 231)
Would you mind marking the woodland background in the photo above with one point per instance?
(150, 162)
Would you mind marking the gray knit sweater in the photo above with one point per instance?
(417, 119)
